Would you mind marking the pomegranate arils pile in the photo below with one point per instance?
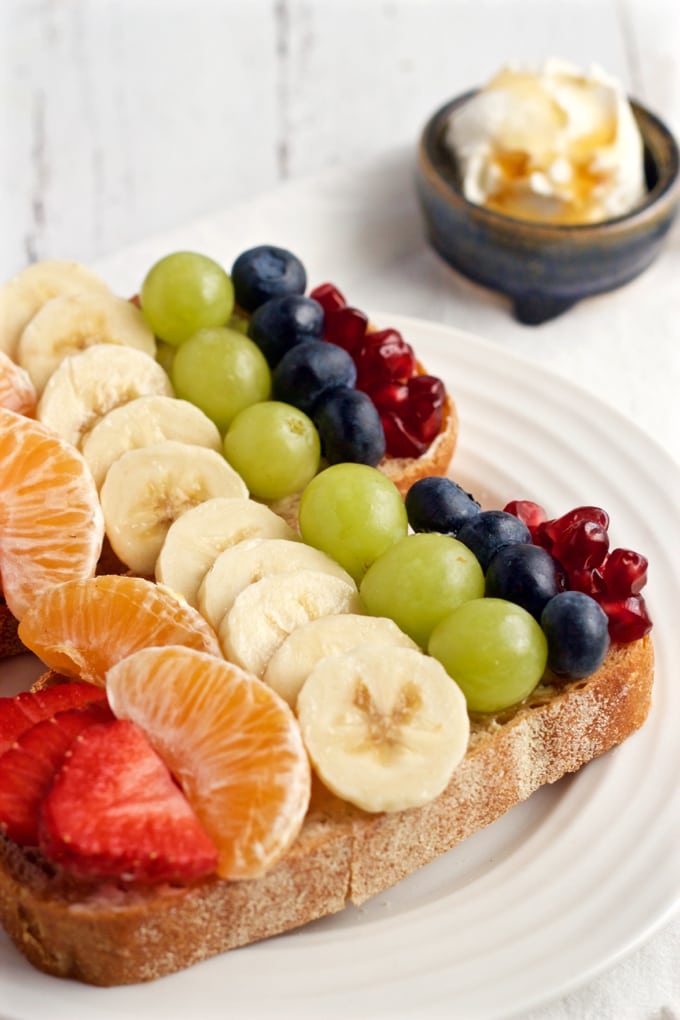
(411, 406)
(346, 327)
(579, 541)
(530, 513)
(383, 357)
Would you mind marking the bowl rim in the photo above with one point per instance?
(666, 191)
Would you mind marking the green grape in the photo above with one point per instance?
(494, 650)
(222, 372)
(183, 293)
(274, 447)
(352, 512)
(419, 580)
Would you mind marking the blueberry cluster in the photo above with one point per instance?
(308, 372)
(515, 569)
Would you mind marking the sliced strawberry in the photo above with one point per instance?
(28, 768)
(19, 713)
(114, 811)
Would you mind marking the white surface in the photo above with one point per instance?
(119, 119)
(561, 886)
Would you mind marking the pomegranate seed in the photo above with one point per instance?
(411, 414)
(383, 357)
(541, 535)
(424, 410)
(628, 618)
(390, 396)
(559, 525)
(399, 441)
(590, 582)
(625, 573)
(329, 297)
(581, 546)
(531, 513)
(346, 327)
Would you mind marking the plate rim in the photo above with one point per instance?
(520, 362)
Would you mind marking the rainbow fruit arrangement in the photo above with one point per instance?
(232, 649)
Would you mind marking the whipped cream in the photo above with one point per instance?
(558, 145)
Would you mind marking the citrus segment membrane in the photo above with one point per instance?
(82, 628)
(51, 525)
(231, 742)
(17, 392)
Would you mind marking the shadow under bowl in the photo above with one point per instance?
(545, 269)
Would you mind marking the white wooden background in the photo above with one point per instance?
(120, 118)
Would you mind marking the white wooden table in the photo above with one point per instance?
(295, 122)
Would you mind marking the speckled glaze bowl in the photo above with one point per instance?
(545, 269)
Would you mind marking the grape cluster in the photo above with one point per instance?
(559, 571)
(231, 341)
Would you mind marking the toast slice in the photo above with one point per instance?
(109, 935)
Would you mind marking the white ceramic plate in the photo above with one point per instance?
(563, 885)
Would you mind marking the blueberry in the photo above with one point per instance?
(578, 634)
(283, 322)
(349, 427)
(525, 574)
(265, 272)
(438, 504)
(308, 370)
(488, 531)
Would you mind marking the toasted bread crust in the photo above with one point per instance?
(343, 855)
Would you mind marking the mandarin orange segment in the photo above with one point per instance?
(82, 627)
(17, 392)
(232, 743)
(51, 525)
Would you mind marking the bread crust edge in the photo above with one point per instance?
(342, 854)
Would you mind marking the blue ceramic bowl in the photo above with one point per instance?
(545, 269)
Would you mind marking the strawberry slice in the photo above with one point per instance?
(19, 713)
(114, 811)
(28, 768)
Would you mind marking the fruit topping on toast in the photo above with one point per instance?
(114, 811)
(24, 710)
(51, 523)
(83, 627)
(366, 633)
(233, 745)
(27, 769)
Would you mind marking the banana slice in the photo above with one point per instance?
(143, 422)
(194, 542)
(266, 612)
(384, 727)
(70, 323)
(249, 561)
(25, 294)
(294, 660)
(147, 489)
(88, 385)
